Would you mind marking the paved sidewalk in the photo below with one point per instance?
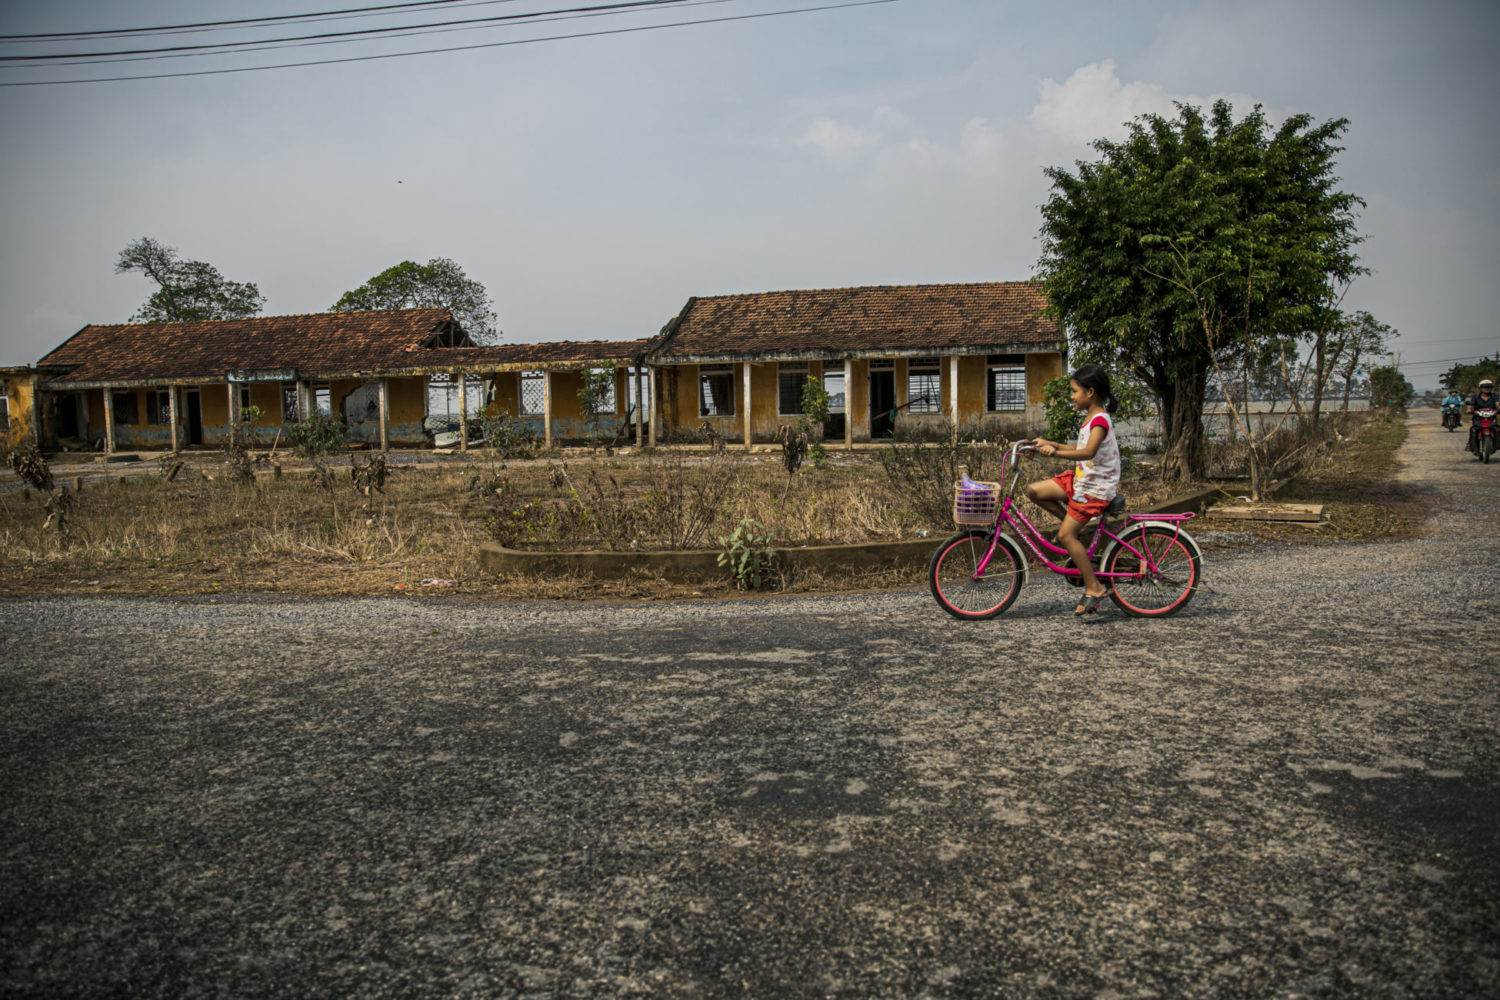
(1288, 790)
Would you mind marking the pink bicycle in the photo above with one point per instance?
(1152, 566)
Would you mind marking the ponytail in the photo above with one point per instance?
(1096, 378)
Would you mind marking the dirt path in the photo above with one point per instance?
(1289, 790)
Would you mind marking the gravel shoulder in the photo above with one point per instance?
(1288, 790)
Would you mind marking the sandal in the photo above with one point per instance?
(1089, 604)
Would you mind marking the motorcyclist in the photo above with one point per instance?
(1454, 400)
(1484, 399)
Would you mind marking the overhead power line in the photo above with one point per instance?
(223, 47)
(238, 23)
(455, 48)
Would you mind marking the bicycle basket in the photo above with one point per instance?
(979, 503)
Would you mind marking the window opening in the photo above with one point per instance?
(125, 408)
(833, 384)
(644, 404)
(608, 404)
(716, 391)
(291, 404)
(1005, 384)
(924, 386)
(158, 407)
(790, 379)
(533, 393)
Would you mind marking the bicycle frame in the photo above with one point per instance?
(1028, 533)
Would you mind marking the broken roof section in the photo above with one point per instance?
(875, 321)
(309, 345)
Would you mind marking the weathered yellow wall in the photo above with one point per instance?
(1041, 369)
(971, 388)
(24, 427)
(507, 395)
(857, 400)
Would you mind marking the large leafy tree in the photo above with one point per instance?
(1196, 240)
(186, 289)
(439, 282)
(1464, 378)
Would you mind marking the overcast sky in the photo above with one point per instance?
(593, 184)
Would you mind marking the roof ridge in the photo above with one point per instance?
(303, 315)
(874, 288)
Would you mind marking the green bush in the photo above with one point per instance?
(509, 437)
(318, 435)
(746, 554)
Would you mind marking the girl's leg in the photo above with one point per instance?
(1067, 535)
(1050, 497)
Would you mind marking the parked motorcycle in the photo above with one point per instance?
(1484, 433)
(1451, 416)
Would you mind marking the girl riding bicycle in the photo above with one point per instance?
(1082, 493)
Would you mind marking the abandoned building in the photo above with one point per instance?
(921, 356)
(917, 356)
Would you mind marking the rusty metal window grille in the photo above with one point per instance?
(4, 408)
(716, 391)
(533, 393)
(924, 386)
(291, 410)
(1005, 387)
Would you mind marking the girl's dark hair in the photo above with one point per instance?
(1096, 378)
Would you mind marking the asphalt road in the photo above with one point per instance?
(1289, 790)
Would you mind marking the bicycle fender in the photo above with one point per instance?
(1019, 553)
(1175, 527)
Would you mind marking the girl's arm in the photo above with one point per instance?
(1096, 438)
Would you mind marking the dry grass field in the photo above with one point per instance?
(312, 533)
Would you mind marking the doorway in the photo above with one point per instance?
(882, 404)
(194, 402)
(67, 416)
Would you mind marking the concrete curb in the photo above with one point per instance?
(698, 564)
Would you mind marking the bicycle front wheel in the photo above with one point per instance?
(1164, 590)
(962, 593)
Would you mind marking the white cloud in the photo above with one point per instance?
(838, 140)
(1093, 103)
(887, 115)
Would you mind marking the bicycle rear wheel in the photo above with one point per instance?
(950, 575)
(1166, 591)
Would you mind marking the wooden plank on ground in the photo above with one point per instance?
(1303, 512)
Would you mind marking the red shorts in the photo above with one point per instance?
(1081, 512)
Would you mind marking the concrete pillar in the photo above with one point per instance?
(109, 421)
(953, 393)
(174, 418)
(848, 405)
(234, 406)
(640, 408)
(653, 375)
(547, 408)
(304, 400)
(463, 410)
(383, 394)
(745, 403)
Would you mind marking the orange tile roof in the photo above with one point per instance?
(839, 321)
(549, 352)
(312, 343)
(341, 341)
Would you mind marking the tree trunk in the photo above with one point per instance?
(1186, 458)
(1320, 374)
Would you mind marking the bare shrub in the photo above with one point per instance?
(920, 477)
